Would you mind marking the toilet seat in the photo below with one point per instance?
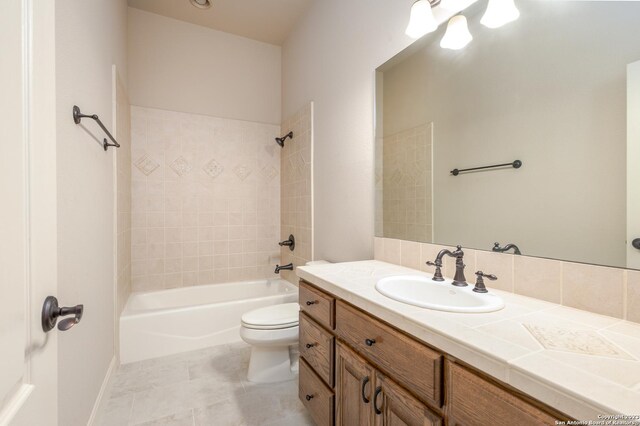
(275, 317)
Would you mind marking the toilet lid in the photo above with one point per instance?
(271, 317)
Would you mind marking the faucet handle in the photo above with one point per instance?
(437, 275)
(480, 287)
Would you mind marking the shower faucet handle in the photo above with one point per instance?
(291, 243)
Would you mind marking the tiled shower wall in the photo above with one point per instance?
(296, 189)
(123, 194)
(205, 199)
(406, 182)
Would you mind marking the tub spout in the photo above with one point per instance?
(288, 267)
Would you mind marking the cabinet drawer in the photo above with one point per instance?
(472, 400)
(315, 396)
(316, 347)
(410, 363)
(318, 305)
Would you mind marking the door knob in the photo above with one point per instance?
(51, 312)
(636, 243)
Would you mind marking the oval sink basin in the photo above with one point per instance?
(439, 295)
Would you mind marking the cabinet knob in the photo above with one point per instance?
(370, 342)
(311, 302)
(308, 397)
(310, 345)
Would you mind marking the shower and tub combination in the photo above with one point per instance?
(166, 322)
(187, 240)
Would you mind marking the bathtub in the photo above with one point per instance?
(166, 322)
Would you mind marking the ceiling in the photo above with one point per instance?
(269, 21)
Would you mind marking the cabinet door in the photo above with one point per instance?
(354, 388)
(394, 406)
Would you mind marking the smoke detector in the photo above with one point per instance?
(201, 4)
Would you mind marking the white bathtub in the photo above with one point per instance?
(166, 322)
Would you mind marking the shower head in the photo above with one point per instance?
(280, 141)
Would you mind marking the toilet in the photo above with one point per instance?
(272, 332)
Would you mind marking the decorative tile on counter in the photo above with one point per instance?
(578, 341)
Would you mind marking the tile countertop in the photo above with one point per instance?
(581, 363)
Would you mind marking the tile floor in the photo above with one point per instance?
(201, 388)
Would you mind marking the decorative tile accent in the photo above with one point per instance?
(180, 166)
(213, 168)
(146, 165)
(242, 171)
(577, 341)
(269, 172)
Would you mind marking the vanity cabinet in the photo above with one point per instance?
(356, 369)
(364, 396)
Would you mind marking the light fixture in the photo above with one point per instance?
(421, 20)
(457, 35)
(201, 4)
(499, 12)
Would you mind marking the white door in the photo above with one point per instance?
(28, 361)
(633, 165)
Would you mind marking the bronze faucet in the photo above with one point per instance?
(459, 279)
(498, 249)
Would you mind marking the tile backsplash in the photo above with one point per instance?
(603, 290)
(205, 199)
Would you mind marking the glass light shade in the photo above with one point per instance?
(421, 20)
(457, 35)
(499, 12)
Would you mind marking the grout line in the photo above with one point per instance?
(625, 289)
(562, 283)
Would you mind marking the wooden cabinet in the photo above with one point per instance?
(317, 304)
(315, 396)
(364, 396)
(316, 347)
(473, 400)
(409, 362)
(366, 372)
(394, 406)
(354, 388)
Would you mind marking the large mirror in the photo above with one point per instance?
(558, 90)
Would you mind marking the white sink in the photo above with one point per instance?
(439, 295)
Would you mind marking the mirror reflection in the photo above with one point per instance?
(557, 90)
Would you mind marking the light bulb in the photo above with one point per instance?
(499, 12)
(421, 20)
(457, 35)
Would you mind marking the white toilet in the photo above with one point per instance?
(271, 331)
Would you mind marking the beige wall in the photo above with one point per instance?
(296, 185)
(178, 66)
(205, 199)
(90, 38)
(330, 58)
(556, 103)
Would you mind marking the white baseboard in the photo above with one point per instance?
(102, 399)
